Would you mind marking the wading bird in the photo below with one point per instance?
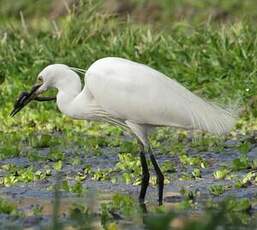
(133, 96)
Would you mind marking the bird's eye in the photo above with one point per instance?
(40, 79)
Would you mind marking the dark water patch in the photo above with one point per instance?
(37, 195)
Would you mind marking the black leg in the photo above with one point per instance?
(160, 177)
(143, 208)
(145, 177)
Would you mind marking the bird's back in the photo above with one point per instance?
(136, 92)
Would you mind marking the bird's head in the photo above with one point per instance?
(53, 76)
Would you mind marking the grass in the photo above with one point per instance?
(215, 61)
(160, 12)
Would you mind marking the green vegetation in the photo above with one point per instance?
(208, 46)
(221, 173)
(7, 207)
(217, 190)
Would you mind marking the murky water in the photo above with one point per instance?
(36, 195)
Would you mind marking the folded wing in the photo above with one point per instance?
(136, 92)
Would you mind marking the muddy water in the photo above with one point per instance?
(30, 196)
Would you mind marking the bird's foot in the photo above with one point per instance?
(160, 202)
(143, 207)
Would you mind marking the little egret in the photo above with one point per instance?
(133, 96)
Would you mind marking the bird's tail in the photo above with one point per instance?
(211, 117)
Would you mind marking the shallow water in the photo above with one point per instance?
(39, 194)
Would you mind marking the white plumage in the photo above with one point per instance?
(138, 93)
(133, 96)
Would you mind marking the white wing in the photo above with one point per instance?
(138, 93)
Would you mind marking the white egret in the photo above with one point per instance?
(133, 96)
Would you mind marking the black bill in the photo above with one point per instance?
(24, 99)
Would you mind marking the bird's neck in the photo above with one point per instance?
(68, 90)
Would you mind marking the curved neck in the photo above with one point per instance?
(69, 88)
